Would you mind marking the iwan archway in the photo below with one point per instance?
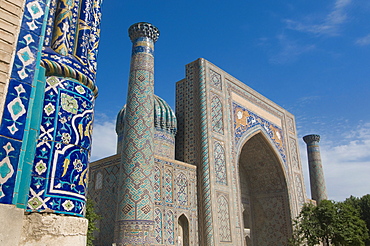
(263, 192)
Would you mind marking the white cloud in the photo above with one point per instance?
(346, 165)
(290, 50)
(104, 138)
(329, 25)
(363, 41)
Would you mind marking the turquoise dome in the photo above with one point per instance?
(164, 117)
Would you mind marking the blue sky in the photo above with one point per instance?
(310, 57)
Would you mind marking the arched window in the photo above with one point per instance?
(183, 231)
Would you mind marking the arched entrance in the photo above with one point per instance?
(183, 233)
(264, 193)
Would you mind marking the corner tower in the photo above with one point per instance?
(135, 218)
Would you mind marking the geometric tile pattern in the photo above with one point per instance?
(215, 79)
(220, 163)
(158, 226)
(157, 184)
(223, 219)
(205, 165)
(7, 172)
(182, 189)
(169, 228)
(138, 155)
(59, 180)
(317, 180)
(15, 112)
(264, 192)
(216, 114)
(168, 186)
(202, 130)
(299, 190)
(105, 199)
(294, 153)
(17, 100)
(270, 218)
(136, 203)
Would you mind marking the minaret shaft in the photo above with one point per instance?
(135, 219)
(317, 180)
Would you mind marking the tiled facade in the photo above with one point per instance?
(47, 94)
(225, 170)
(239, 181)
(244, 146)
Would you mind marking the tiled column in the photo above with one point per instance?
(135, 220)
(317, 180)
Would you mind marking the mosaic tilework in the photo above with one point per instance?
(217, 115)
(184, 200)
(294, 153)
(9, 153)
(138, 122)
(182, 189)
(157, 184)
(165, 127)
(317, 180)
(158, 235)
(275, 226)
(59, 180)
(22, 84)
(223, 219)
(169, 228)
(72, 39)
(65, 24)
(215, 79)
(192, 139)
(264, 191)
(168, 186)
(246, 119)
(290, 124)
(137, 164)
(182, 185)
(204, 168)
(299, 190)
(88, 33)
(14, 115)
(220, 163)
(164, 143)
(105, 199)
(186, 118)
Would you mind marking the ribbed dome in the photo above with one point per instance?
(164, 117)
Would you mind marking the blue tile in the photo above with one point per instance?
(25, 57)
(9, 154)
(33, 17)
(15, 110)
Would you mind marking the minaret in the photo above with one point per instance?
(135, 218)
(317, 180)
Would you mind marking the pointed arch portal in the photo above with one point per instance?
(264, 193)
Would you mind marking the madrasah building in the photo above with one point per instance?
(223, 169)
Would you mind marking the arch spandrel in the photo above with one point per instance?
(248, 123)
(258, 130)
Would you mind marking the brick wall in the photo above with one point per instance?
(11, 12)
